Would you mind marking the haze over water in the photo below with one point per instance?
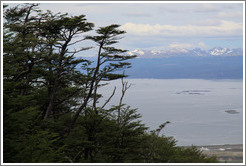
(195, 107)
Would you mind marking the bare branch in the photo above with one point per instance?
(109, 98)
(125, 87)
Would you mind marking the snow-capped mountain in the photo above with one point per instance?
(226, 51)
(217, 51)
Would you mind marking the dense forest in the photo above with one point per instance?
(51, 107)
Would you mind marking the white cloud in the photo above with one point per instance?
(225, 28)
(181, 45)
(187, 45)
(206, 22)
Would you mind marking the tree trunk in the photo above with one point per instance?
(71, 125)
(51, 102)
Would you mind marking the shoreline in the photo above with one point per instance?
(229, 153)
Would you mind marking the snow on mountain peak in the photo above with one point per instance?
(217, 51)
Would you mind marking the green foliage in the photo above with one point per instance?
(25, 140)
(107, 54)
(51, 112)
(192, 154)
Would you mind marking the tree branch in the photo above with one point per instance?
(109, 98)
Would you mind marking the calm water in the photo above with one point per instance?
(196, 108)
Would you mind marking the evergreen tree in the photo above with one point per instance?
(38, 66)
(109, 60)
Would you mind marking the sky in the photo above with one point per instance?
(162, 25)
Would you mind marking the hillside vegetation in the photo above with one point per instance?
(51, 108)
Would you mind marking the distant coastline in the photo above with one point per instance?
(230, 153)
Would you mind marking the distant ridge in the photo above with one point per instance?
(187, 67)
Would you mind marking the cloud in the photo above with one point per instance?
(181, 45)
(225, 28)
(206, 22)
(187, 45)
(188, 8)
(205, 7)
(233, 6)
(230, 14)
(137, 14)
(201, 45)
(76, 8)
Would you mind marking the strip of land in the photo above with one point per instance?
(230, 153)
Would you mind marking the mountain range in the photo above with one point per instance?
(216, 63)
(217, 51)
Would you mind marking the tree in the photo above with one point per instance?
(109, 60)
(38, 66)
(163, 149)
(60, 61)
(125, 145)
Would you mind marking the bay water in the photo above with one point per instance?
(201, 112)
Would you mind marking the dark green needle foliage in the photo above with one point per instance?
(51, 108)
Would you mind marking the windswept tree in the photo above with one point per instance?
(60, 63)
(109, 61)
